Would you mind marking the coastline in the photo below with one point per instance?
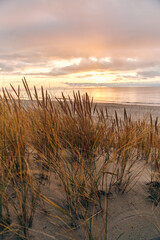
(136, 111)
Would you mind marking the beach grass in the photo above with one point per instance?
(89, 152)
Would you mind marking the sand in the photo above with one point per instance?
(131, 216)
(136, 111)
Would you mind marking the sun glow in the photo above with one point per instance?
(57, 72)
(64, 63)
(36, 70)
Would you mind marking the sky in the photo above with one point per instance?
(80, 42)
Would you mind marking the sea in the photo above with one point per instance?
(149, 96)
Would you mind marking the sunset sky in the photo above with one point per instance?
(80, 42)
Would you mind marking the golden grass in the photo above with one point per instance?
(88, 151)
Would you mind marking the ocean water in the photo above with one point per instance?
(149, 96)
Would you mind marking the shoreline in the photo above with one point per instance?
(137, 112)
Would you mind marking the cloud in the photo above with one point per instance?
(113, 84)
(79, 28)
(34, 32)
(86, 84)
(149, 74)
(100, 65)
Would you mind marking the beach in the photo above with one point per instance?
(123, 206)
(132, 215)
(135, 111)
(80, 120)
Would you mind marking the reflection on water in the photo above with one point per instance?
(127, 95)
(124, 95)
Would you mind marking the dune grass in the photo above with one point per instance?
(88, 151)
